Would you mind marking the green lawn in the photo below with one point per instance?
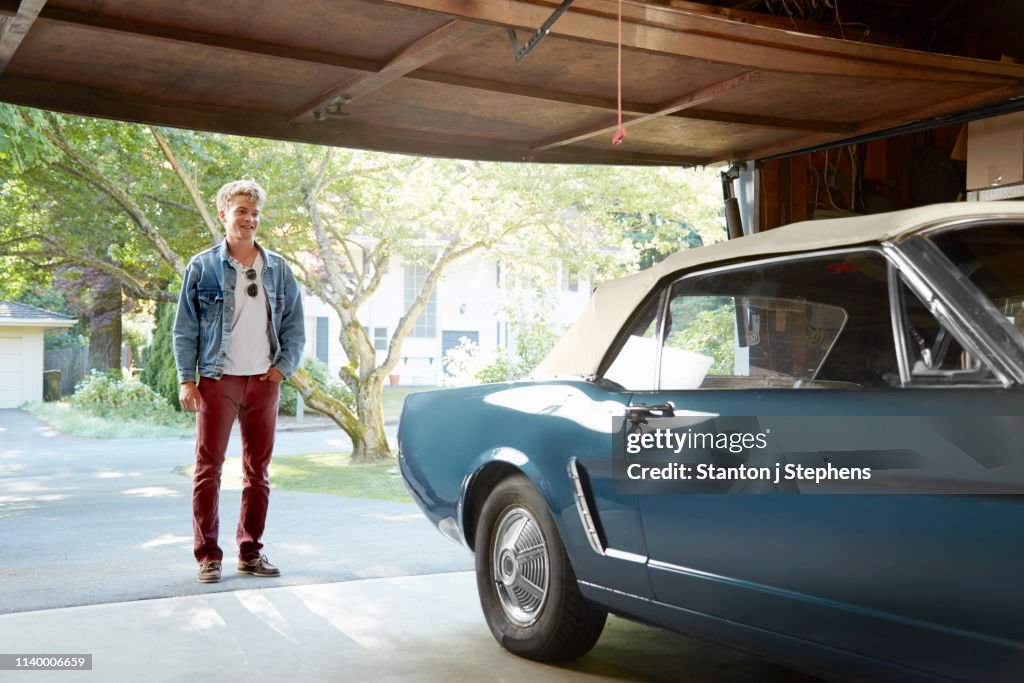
(325, 473)
(76, 422)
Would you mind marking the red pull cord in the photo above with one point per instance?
(620, 134)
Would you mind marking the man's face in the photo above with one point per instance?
(241, 218)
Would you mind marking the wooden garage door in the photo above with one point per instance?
(11, 373)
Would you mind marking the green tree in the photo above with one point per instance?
(158, 369)
(131, 202)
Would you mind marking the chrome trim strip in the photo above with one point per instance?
(590, 527)
(623, 555)
(895, 310)
(586, 518)
(596, 586)
(662, 317)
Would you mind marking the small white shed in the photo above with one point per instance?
(21, 351)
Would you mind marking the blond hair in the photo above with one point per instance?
(250, 188)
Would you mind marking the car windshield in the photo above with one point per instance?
(992, 258)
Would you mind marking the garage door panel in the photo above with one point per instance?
(11, 372)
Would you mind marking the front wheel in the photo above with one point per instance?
(527, 587)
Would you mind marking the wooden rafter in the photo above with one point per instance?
(15, 30)
(673, 32)
(411, 57)
(169, 34)
(628, 108)
(70, 98)
(691, 99)
(371, 73)
(959, 104)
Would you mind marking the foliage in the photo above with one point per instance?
(533, 339)
(656, 237)
(462, 363)
(709, 328)
(109, 395)
(158, 369)
(319, 372)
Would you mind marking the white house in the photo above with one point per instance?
(21, 351)
(467, 302)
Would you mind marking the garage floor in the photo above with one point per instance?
(419, 628)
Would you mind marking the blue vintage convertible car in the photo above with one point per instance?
(806, 443)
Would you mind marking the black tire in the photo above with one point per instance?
(554, 624)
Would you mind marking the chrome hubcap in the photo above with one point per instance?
(519, 565)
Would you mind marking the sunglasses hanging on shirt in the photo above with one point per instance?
(252, 290)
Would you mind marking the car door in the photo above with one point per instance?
(834, 361)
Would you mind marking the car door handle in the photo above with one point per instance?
(659, 410)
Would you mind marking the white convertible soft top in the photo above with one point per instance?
(581, 349)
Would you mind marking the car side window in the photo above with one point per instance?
(727, 342)
(812, 322)
(934, 353)
(635, 364)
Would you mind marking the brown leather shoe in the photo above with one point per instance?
(258, 567)
(209, 571)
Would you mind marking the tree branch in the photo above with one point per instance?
(137, 215)
(215, 234)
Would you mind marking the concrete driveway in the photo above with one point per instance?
(96, 559)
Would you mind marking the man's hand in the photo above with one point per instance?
(273, 374)
(188, 397)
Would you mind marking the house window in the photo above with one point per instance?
(426, 323)
(380, 338)
(322, 339)
(570, 280)
(497, 274)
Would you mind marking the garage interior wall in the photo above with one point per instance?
(895, 173)
(902, 171)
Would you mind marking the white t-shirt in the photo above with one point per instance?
(249, 346)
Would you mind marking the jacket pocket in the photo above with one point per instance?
(211, 301)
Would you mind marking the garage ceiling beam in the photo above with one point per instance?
(411, 57)
(628, 108)
(191, 116)
(115, 25)
(667, 31)
(368, 69)
(692, 99)
(13, 31)
(934, 111)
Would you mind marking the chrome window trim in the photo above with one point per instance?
(899, 332)
(929, 274)
(662, 317)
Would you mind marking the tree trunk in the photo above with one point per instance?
(105, 327)
(372, 446)
(365, 427)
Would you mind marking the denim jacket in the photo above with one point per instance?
(206, 307)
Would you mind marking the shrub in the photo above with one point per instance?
(110, 395)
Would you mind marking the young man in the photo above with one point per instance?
(240, 322)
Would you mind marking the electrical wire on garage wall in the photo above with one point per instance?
(620, 134)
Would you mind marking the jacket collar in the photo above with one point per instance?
(222, 250)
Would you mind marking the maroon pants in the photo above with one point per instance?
(254, 402)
